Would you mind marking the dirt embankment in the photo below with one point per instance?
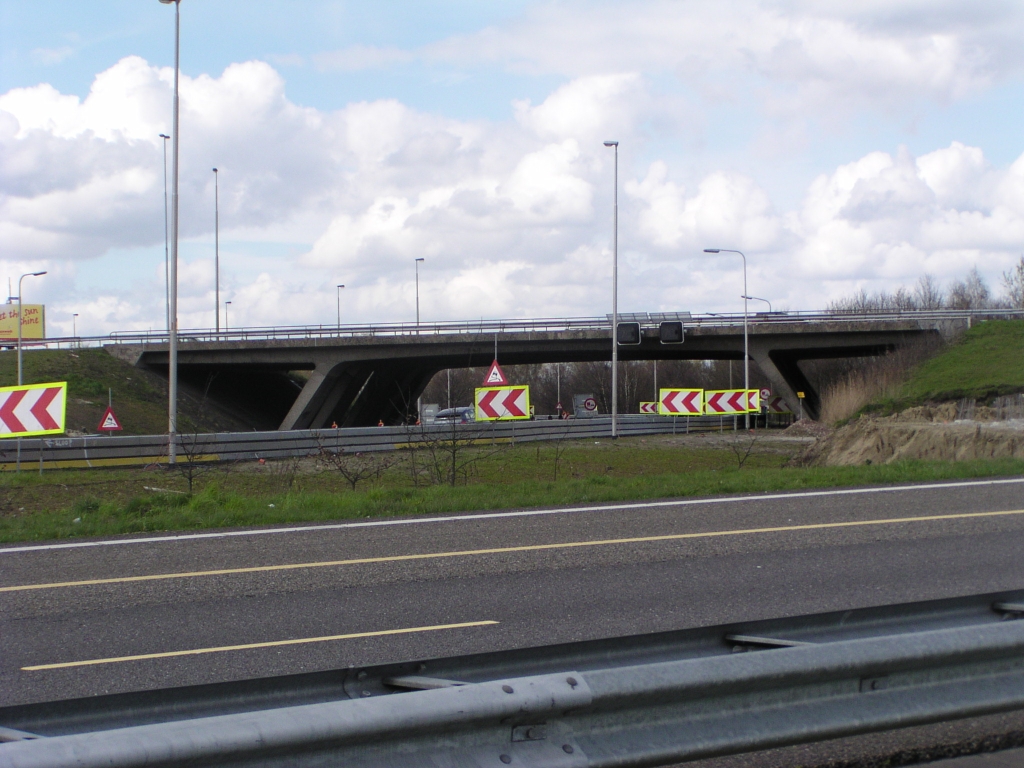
(926, 432)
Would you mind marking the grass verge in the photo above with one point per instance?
(986, 362)
(218, 507)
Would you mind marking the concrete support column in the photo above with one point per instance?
(787, 379)
(311, 399)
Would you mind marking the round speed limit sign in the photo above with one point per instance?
(590, 404)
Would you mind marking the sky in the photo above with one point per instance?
(840, 146)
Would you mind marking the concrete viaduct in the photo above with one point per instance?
(355, 376)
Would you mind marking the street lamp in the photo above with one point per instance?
(758, 298)
(339, 305)
(172, 327)
(615, 296)
(746, 356)
(418, 291)
(226, 305)
(167, 277)
(21, 320)
(74, 325)
(216, 249)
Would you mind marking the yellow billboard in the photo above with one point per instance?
(33, 327)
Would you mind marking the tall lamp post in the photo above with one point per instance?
(226, 305)
(419, 400)
(20, 323)
(746, 355)
(615, 296)
(172, 329)
(21, 320)
(74, 325)
(340, 286)
(167, 277)
(758, 298)
(418, 291)
(216, 249)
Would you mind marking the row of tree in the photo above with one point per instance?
(969, 292)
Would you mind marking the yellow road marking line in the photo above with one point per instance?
(247, 646)
(509, 550)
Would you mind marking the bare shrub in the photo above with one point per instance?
(450, 450)
(742, 450)
(354, 466)
(284, 472)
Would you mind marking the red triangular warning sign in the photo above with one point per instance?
(495, 377)
(109, 422)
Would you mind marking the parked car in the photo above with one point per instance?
(460, 415)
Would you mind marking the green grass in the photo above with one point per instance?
(986, 362)
(109, 503)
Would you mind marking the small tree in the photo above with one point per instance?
(561, 443)
(190, 461)
(1013, 283)
(927, 294)
(969, 293)
(742, 451)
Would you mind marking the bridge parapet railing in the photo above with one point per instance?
(317, 333)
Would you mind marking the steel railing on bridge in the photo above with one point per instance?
(502, 326)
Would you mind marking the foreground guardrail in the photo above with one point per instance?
(638, 701)
(103, 451)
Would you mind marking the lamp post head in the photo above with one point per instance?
(420, 259)
(36, 274)
(214, 170)
(611, 143)
(169, 2)
(712, 250)
(341, 286)
(164, 136)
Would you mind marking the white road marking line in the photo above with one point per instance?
(250, 646)
(456, 517)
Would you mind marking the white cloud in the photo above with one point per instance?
(512, 216)
(803, 55)
(359, 57)
(48, 56)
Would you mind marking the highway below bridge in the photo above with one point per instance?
(82, 618)
(355, 376)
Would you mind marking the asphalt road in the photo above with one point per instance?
(505, 580)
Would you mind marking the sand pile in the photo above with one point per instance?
(919, 433)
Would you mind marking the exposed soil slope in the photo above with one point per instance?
(919, 433)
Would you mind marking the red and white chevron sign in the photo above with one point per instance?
(732, 401)
(648, 407)
(36, 409)
(778, 405)
(502, 403)
(680, 402)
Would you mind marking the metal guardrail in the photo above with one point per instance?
(490, 327)
(636, 701)
(104, 451)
